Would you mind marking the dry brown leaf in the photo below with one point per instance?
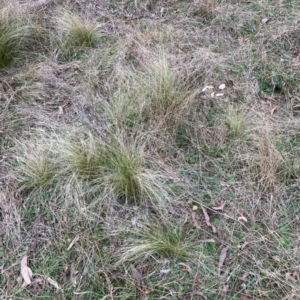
(53, 282)
(265, 20)
(133, 221)
(207, 220)
(222, 259)
(186, 218)
(242, 218)
(26, 272)
(136, 274)
(245, 276)
(241, 40)
(166, 271)
(194, 218)
(19, 280)
(273, 109)
(221, 207)
(75, 240)
(39, 281)
(244, 245)
(198, 293)
(225, 288)
(186, 267)
(8, 277)
(276, 258)
(290, 277)
(208, 87)
(207, 241)
(73, 275)
(60, 111)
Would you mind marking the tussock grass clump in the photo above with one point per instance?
(166, 240)
(154, 96)
(36, 168)
(237, 124)
(266, 163)
(117, 168)
(15, 33)
(163, 87)
(75, 32)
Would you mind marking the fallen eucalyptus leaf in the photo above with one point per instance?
(167, 271)
(221, 207)
(53, 282)
(222, 259)
(186, 267)
(76, 238)
(242, 218)
(136, 274)
(26, 272)
(208, 87)
(244, 245)
(207, 220)
(265, 20)
(273, 109)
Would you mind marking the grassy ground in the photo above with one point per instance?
(150, 149)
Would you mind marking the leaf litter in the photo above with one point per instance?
(26, 272)
(222, 259)
(207, 220)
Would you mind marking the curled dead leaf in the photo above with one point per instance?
(245, 276)
(38, 281)
(136, 274)
(53, 283)
(207, 220)
(19, 280)
(166, 271)
(265, 20)
(222, 259)
(60, 111)
(221, 207)
(241, 40)
(26, 272)
(207, 241)
(194, 218)
(276, 258)
(242, 218)
(244, 245)
(290, 277)
(273, 109)
(73, 275)
(208, 87)
(186, 267)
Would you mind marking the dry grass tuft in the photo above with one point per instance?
(75, 33)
